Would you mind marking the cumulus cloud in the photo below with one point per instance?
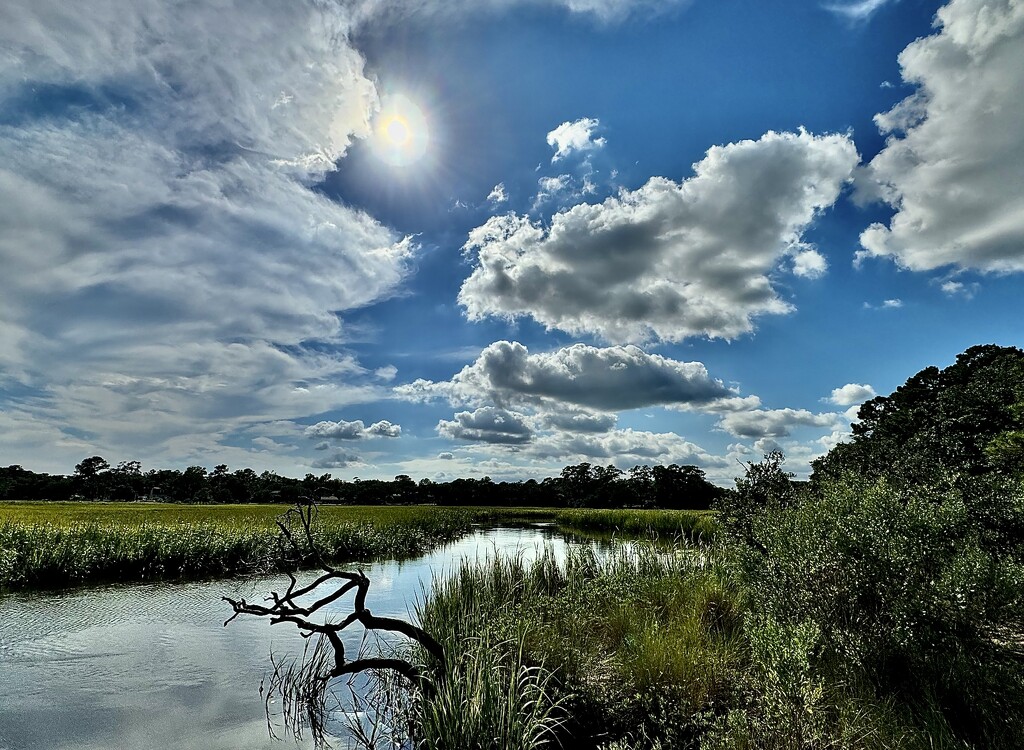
(953, 288)
(353, 430)
(488, 424)
(809, 264)
(773, 423)
(337, 460)
(851, 393)
(498, 194)
(560, 405)
(607, 379)
(579, 421)
(573, 137)
(668, 260)
(164, 253)
(628, 447)
(952, 163)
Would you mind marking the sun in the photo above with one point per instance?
(397, 132)
(400, 132)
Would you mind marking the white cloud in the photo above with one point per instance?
(337, 460)
(603, 11)
(356, 430)
(888, 304)
(607, 379)
(958, 289)
(561, 404)
(764, 423)
(488, 424)
(857, 10)
(269, 444)
(551, 187)
(386, 373)
(764, 446)
(952, 163)
(625, 447)
(165, 260)
(579, 421)
(573, 137)
(851, 393)
(498, 194)
(809, 264)
(668, 260)
(384, 428)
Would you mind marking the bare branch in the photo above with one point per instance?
(303, 687)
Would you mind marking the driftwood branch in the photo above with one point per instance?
(301, 550)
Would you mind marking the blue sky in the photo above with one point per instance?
(494, 238)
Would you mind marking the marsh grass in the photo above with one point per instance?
(671, 525)
(52, 547)
(631, 643)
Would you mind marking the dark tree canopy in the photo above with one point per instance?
(581, 485)
(967, 418)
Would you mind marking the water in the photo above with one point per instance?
(143, 667)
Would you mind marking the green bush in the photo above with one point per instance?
(909, 589)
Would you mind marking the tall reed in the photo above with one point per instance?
(648, 524)
(635, 642)
(50, 555)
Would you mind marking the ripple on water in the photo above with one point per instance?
(151, 665)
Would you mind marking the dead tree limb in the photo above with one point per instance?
(300, 550)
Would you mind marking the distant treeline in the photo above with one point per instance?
(580, 485)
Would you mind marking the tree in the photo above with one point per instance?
(577, 484)
(90, 467)
(682, 487)
(89, 472)
(125, 481)
(939, 423)
(641, 484)
(404, 489)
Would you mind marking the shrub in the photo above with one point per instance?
(907, 587)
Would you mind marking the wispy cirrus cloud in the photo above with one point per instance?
(166, 259)
(857, 10)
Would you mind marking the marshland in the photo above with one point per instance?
(878, 605)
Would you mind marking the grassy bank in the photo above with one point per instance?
(644, 524)
(52, 545)
(636, 646)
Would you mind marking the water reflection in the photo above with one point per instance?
(150, 666)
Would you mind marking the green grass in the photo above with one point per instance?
(635, 644)
(53, 545)
(501, 515)
(174, 513)
(692, 525)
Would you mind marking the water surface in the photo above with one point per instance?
(151, 666)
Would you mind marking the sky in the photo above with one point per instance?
(494, 238)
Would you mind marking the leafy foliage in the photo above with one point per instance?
(961, 419)
(905, 588)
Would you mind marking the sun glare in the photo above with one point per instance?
(400, 131)
(397, 132)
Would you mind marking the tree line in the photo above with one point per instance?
(579, 485)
